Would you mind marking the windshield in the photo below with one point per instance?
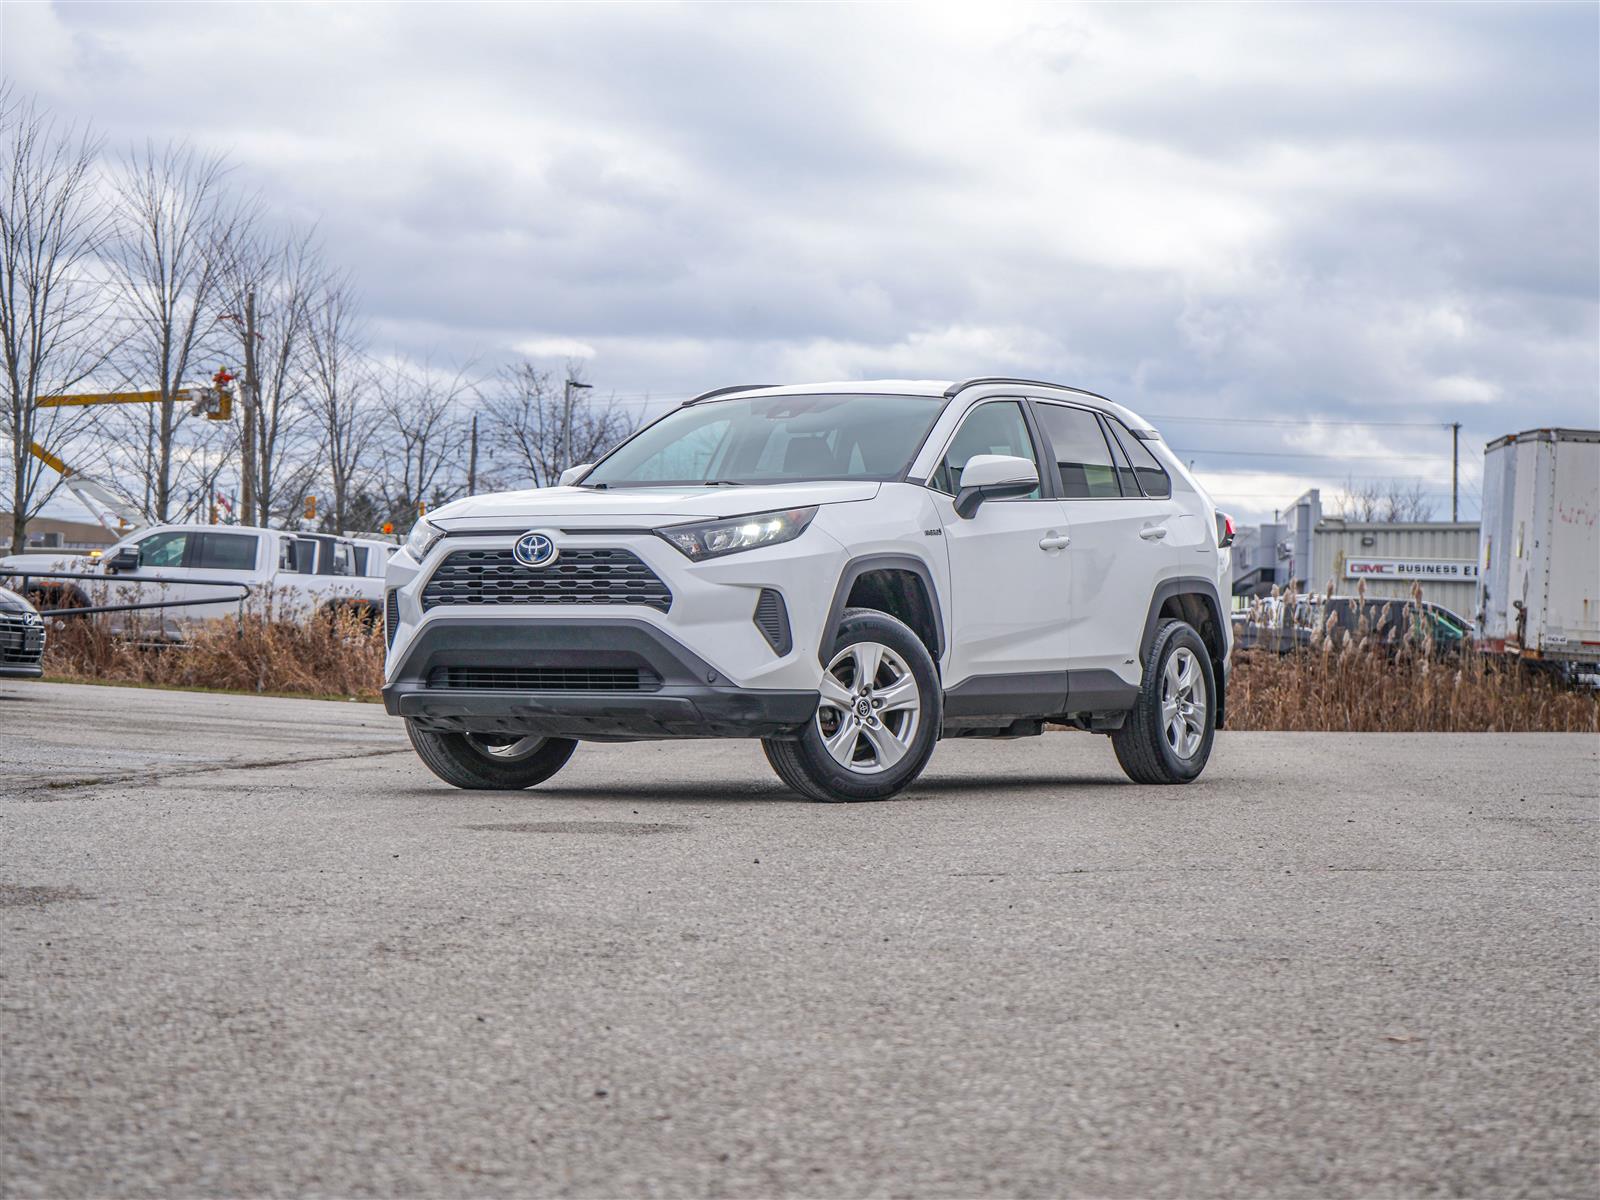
(773, 439)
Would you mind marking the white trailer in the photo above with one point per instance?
(1539, 547)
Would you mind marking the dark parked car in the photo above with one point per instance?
(21, 637)
(1390, 622)
(1394, 621)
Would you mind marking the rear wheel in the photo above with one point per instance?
(877, 718)
(1167, 737)
(490, 761)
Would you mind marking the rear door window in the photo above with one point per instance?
(225, 552)
(1083, 459)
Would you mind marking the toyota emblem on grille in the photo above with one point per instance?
(535, 549)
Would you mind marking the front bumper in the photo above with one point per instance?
(677, 695)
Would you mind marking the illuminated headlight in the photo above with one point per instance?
(423, 536)
(715, 538)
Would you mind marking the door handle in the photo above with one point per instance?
(1054, 541)
(1153, 533)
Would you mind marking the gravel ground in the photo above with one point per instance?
(249, 946)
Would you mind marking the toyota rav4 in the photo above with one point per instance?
(847, 571)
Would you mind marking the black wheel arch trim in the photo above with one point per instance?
(854, 570)
(1206, 589)
(1185, 585)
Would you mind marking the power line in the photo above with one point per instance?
(1297, 421)
(1302, 454)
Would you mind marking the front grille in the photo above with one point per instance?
(544, 679)
(608, 576)
(21, 639)
(391, 616)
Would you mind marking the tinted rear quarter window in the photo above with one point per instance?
(1153, 478)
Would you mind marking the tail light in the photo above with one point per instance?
(1225, 530)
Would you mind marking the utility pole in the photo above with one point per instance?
(1455, 470)
(472, 460)
(250, 396)
(566, 420)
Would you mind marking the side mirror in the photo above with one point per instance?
(572, 474)
(126, 559)
(993, 477)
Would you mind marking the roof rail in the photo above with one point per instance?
(723, 391)
(956, 388)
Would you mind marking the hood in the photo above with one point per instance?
(593, 506)
(11, 602)
(47, 562)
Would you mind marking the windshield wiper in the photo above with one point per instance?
(723, 483)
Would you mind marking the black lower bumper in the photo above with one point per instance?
(20, 670)
(678, 694)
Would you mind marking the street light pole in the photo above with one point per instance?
(566, 420)
(1455, 470)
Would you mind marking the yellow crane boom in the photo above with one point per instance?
(214, 403)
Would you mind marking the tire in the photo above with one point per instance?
(470, 761)
(886, 752)
(1161, 744)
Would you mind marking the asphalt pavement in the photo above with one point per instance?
(250, 947)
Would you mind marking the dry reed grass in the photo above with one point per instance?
(328, 654)
(1348, 681)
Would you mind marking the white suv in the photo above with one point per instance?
(848, 571)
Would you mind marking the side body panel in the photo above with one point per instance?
(1571, 616)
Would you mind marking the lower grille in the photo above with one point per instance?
(544, 679)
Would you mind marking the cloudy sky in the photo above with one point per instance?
(1303, 238)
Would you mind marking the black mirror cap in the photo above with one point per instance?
(125, 560)
(968, 499)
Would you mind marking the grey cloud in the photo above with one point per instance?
(1385, 198)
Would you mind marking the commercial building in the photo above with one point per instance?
(51, 533)
(1307, 552)
(1391, 558)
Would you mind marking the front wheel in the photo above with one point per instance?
(877, 718)
(1167, 737)
(490, 762)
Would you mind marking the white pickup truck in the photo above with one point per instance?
(298, 572)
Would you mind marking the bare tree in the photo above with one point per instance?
(279, 275)
(52, 336)
(338, 384)
(178, 228)
(424, 434)
(1388, 502)
(533, 425)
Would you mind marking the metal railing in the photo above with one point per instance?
(100, 577)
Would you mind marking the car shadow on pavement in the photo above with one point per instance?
(990, 788)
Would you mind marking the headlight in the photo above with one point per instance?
(423, 536)
(715, 538)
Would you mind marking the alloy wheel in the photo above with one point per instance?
(870, 708)
(505, 747)
(1183, 703)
